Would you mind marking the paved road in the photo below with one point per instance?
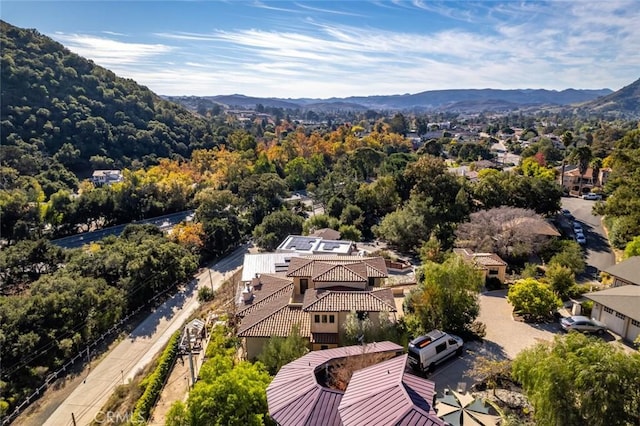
(598, 251)
(163, 222)
(134, 353)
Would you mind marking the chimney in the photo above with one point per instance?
(247, 293)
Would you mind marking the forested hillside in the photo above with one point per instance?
(61, 112)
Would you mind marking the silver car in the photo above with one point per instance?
(583, 324)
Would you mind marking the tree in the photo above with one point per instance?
(533, 298)
(561, 279)
(582, 155)
(275, 228)
(632, 248)
(509, 232)
(279, 351)
(447, 296)
(350, 233)
(236, 397)
(570, 256)
(358, 330)
(578, 379)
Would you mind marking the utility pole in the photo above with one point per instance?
(191, 369)
(73, 419)
(210, 278)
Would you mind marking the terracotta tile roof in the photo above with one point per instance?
(300, 267)
(309, 266)
(488, 259)
(481, 259)
(327, 234)
(346, 301)
(265, 298)
(385, 394)
(296, 398)
(279, 323)
(323, 272)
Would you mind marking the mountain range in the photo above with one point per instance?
(459, 100)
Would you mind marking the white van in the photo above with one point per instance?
(425, 352)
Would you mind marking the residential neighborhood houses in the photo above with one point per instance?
(619, 306)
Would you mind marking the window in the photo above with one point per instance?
(619, 315)
(332, 319)
(608, 310)
(372, 281)
(323, 347)
(441, 347)
(304, 285)
(362, 315)
(493, 271)
(452, 342)
(316, 318)
(324, 318)
(635, 323)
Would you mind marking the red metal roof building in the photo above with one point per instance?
(381, 394)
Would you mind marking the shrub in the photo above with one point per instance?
(533, 299)
(154, 382)
(206, 294)
(587, 307)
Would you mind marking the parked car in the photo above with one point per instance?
(581, 239)
(583, 324)
(577, 228)
(566, 213)
(591, 196)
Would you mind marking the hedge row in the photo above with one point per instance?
(154, 382)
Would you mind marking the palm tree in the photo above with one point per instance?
(596, 165)
(582, 155)
(567, 141)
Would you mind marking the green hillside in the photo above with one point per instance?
(62, 112)
(624, 102)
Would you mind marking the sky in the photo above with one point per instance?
(323, 49)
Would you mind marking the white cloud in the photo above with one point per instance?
(512, 45)
(109, 52)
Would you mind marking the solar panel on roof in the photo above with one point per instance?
(300, 243)
(331, 246)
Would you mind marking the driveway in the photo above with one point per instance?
(505, 339)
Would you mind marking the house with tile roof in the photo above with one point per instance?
(491, 265)
(571, 181)
(381, 391)
(316, 294)
(619, 306)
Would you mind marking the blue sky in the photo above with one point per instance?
(322, 49)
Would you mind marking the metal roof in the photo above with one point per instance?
(624, 299)
(296, 398)
(262, 263)
(383, 394)
(627, 270)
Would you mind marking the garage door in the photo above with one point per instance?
(613, 319)
(634, 330)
